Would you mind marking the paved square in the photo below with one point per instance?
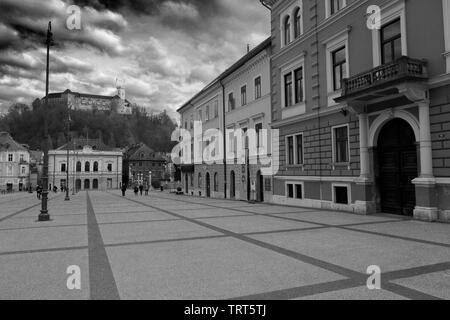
(165, 246)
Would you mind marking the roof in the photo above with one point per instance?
(7, 143)
(250, 55)
(80, 143)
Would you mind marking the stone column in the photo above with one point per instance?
(426, 156)
(364, 147)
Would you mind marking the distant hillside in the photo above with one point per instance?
(26, 126)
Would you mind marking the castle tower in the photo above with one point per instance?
(120, 89)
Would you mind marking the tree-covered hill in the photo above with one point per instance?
(26, 125)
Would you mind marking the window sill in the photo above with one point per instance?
(341, 165)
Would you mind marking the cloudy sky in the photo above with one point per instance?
(163, 50)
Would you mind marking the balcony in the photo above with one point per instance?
(373, 84)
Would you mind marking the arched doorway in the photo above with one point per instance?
(259, 187)
(95, 184)
(397, 164)
(78, 185)
(208, 185)
(87, 184)
(232, 185)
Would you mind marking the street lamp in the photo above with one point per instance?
(44, 215)
(68, 148)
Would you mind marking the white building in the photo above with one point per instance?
(92, 166)
(14, 164)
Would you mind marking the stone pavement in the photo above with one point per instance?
(177, 247)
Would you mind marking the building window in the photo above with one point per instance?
(290, 191)
(192, 180)
(298, 74)
(185, 125)
(231, 103)
(95, 166)
(23, 170)
(290, 150)
(21, 158)
(288, 90)
(258, 129)
(200, 115)
(192, 122)
(207, 114)
(109, 167)
(258, 92)
(297, 23)
(63, 167)
(341, 195)
(10, 158)
(78, 166)
(391, 42)
(87, 167)
(299, 191)
(216, 182)
(287, 30)
(341, 149)
(244, 95)
(267, 184)
(299, 149)
(216, 109)
(339, 67)
(199, 180)
(336, 5)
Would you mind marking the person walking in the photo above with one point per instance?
(38, 192)
(147, 190)
(136, 190)
(141, 189)
(124, 189)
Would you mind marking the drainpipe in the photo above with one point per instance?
(224, 141)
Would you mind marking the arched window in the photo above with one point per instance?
(95, 166)
(87, 166)
(216, 182)
(287, 30)
(95, 184)
(199, 180)
(297, 23)
(79, 166)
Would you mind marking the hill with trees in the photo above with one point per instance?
(26, 125)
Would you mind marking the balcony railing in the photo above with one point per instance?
(404, 69)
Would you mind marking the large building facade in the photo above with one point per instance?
(92, 166)
(239, 99)
(362, 105)
(14, 165)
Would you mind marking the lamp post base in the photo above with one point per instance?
(67, 198)
(43, 217)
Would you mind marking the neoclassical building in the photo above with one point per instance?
(361, 99)
(92, 166)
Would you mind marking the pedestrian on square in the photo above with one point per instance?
(124, 189)
(38, 192)
(136, 190)
(141, 189)
(146, 190)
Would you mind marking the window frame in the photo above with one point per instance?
(328, 8)
(231, 101)
(391, 40)
(334, 141)
(341, 185)
(244, 95)
(341, 64)
(294, 185)
(296, 162)
(298, 22)
(258, 88)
